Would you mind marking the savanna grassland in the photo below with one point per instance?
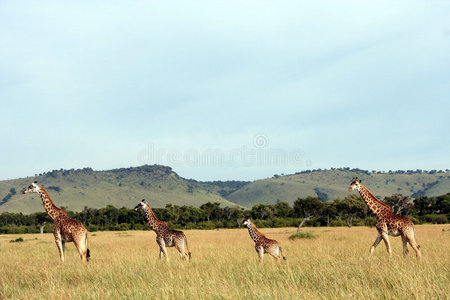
(125, 265)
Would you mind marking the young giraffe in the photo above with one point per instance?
(165, 237)
(263, 244)
(388, 223)
(66, 229)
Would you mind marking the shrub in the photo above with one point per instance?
(415, 220)
(92, 228)
(18, 240)
(302, 235)
(336, 223)
(359, 222)
(441, 219)
(370, 221)
(430, 218)
(206, 225)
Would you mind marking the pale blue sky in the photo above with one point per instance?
(224, 89)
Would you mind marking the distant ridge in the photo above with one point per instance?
(77, 188)
(333, 183)
(160, 185)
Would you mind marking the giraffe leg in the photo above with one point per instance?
(385, 238)
(60, 246)
(405, 245)
(180, 248)
(165, 253)
(375, 244)
(81, 249)
(183, 249)
(275, 252)
(260, 251)
(162, 249)
(412, 241)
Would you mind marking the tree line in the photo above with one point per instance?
(309, 211)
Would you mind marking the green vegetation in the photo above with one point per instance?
(76, 189)
(18, 240)
(309, 211)
(302, 235)
(331, 184)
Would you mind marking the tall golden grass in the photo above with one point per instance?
(224, 265)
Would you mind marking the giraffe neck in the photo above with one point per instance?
(153, 221)
(254, 233)
(375, 205)
(52, 210)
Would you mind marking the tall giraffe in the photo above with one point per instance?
(66, 229)
(165, 237)
(388, 222)
(262, 243)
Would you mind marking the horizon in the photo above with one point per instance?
(398, 171)
(224, 91)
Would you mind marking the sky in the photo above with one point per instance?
(224, 90)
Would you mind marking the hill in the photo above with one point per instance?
(75, 189)
(332, 184)
(160, 185)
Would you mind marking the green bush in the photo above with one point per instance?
(415, 220)
(430, 218)
(139, 226)
(92, 228)
(370, 221)
(441, 219)
(18, 240)
(18, 229)
(358, 222)
(302, 235)
(206, 225)
(336, 223)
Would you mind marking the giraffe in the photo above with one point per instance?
(262, 243)
(66, 229)
(165, 237)
(388, 222)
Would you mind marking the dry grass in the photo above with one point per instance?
(125, 265)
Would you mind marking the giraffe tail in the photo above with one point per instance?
(88, 252)
(281, 252)
(187, 247)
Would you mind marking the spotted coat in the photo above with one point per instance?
(165, 236)
(262, 243)
(65, 229)
(388, 222)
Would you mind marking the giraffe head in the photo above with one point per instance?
(355, 185)
(33, 188)
(141, 205)
(246, 221)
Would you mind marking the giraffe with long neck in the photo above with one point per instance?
(262, 243)
(66, 229)
(165, 237)
(388, 222)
